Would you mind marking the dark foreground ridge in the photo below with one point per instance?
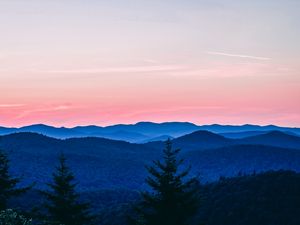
(262, 199)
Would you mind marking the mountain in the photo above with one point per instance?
(216, 128)
(88, 129)
(197, 140)
(50, 131)
(273, 138)
(159, 138)
(110, 164)
(231, 160)
(121, 136)
(139, 132)
(95, 161)
(7, 130)
(243, 134)
(174, 129)
(201, 140)
(146, 131)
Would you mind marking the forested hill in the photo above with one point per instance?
(103, 163)
(270, 198)
(264, 199)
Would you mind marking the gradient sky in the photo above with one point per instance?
(76, 62)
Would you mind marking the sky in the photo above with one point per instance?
(76, 62)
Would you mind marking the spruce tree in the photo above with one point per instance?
(174, 198)
(8, 184)
(63, 203)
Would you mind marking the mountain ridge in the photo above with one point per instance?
(111, 164)
(143, 131)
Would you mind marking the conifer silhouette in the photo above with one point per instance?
(8, 184)
(63, 203)
(174, 199)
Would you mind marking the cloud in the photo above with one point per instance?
(44, 110)
(11, 105)
(135, 69)
(238, 55)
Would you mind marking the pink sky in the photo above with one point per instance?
(107, 63)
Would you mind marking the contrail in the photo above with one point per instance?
(238, 56)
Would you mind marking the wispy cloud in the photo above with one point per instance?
(44, 110)
(11, 105)
(135, 69)
(238, 55)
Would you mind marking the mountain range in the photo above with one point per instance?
(143, 132)
(111, 164)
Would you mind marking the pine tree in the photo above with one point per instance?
(174, 198)
(8, 184)
(63, 204)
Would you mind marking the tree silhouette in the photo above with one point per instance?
(174, 198)
(63, 204)
(8, 184)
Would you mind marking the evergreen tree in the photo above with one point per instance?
(8, 184)
(63, 204)
(174, 199)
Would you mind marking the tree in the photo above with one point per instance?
(10, 217)
(63, 204)
(8, 184)
(174, 198)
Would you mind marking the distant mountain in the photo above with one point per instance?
(216, 128)
(273, 138)
(201, 140)
(161, 138)
(143, 131)
(50, 131)
(121, 136)
(243, 134)
(7, 130)
(197, 140)
(139, 132)
(230, 160)
(150, 129)
(88, 129)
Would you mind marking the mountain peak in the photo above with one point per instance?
(203, 134)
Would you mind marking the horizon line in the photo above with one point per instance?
(135, 123)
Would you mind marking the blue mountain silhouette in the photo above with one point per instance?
(146, 131)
